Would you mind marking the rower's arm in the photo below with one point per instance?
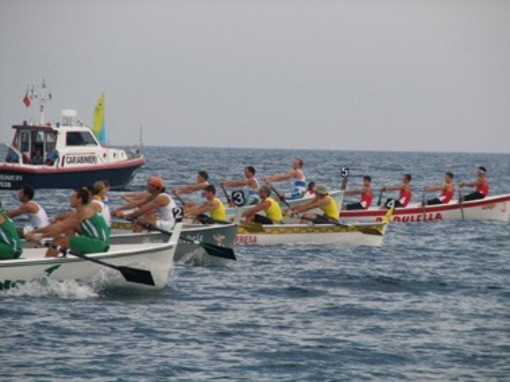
(392, 188)
(18, 211)
(58, 228)
(434, 188)
(305, 207)
(278, 177)
(134, 204)
(235, 183)
(206, 207)
(189, 189)
(259, 207)
(353, 191)
(160, 201)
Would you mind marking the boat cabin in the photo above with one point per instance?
(60, 145)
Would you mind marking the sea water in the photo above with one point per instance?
(433, 303)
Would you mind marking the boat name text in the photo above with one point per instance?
(415, 218)
(78, 159)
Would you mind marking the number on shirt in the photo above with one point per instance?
(178, 213)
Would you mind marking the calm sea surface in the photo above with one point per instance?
(433, 303)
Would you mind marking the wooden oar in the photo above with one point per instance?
(423, 204)
(211, 249)
(133, 275)
(252, 227)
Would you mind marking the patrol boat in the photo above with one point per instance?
(65, 155)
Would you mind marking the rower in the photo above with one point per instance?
(299, 188)
(447, 190)
(99, 191)
(10, 242)
(267, 204)
(366, 195)
(481, 186)
(202, 182)
(310, 189)
(405, 196)
(250, 183)
(213, 206)
(322, 200)
(36, 214)
(93, 233)
(156, 201)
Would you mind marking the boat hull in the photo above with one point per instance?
(156, 258)
(119, 174)
(320, 234)
(222, 235)
(491, 208)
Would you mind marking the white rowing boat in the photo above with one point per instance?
(156, 258)
(221, 235)
(319, 234)
(490, 208)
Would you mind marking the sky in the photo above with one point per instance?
(395, 75)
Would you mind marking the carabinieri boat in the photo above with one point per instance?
(65, 155)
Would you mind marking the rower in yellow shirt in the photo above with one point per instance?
(271, 208)
(212, 205)
(323, 201)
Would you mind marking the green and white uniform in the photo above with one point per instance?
(10, 243)
(94, 237)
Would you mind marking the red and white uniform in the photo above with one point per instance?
(446, 195)
(366, 199)
(405, 197)
(483, 189)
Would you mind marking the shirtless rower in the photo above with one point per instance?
(447, 190)
(250, 183)
(36, 214)
(212, 205)
(93, 233)
(323, 201)
(481, 186)
(366, 195)
(406, 193)
(271, 208)
(299, 187)
(157, 201)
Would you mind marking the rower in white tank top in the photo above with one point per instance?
(166, 215)
(105, 211)
(38, 219)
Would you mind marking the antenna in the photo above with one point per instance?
(141, 139)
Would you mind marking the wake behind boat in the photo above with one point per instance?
(490, 208)
(156, 258)
(65, 155)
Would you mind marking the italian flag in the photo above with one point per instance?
(26, 100)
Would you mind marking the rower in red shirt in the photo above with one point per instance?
(366, 195)
(481, 186)
(447, 189)
(406, 193)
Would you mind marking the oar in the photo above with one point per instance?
(179, 199)
(130, 274)
(211, 249)
(379, 201)
(229, 201)
(282, 198)
(461, 202)
(366, 230)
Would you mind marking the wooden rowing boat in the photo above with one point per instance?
(319, 234)
(156, 258)
(222, 235)
(490, 208)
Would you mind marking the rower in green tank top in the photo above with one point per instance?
(10, 243)
(92, 232)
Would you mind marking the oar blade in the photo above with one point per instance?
(139, 276)
(215, 250)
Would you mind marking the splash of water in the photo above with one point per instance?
(46, 287)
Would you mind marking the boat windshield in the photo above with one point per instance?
(80, 138)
